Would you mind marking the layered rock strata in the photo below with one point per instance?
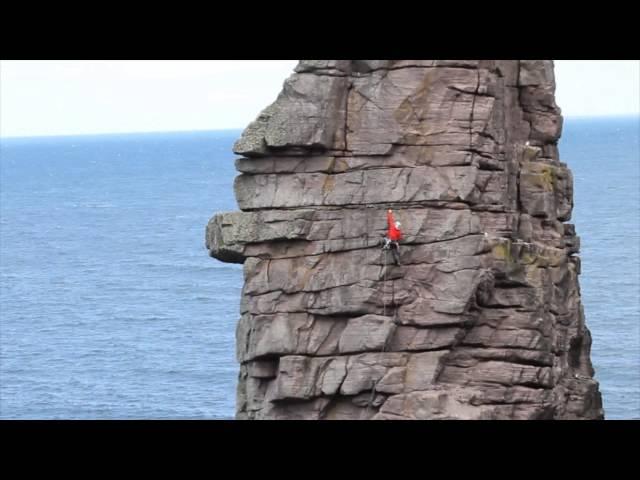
(482, 319)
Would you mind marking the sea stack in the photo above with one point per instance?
(482, 317)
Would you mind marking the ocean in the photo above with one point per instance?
(110, 307)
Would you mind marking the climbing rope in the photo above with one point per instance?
(384, 282)
(384, 313)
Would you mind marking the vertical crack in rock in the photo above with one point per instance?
(346, 118)
(482, 318)
(473, 104)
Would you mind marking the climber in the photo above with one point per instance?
(394, 235)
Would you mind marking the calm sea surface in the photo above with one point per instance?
(110, 307)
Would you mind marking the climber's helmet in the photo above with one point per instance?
(398, 225)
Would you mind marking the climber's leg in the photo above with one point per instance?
(395, 248)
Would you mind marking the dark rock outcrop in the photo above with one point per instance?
(481, 320)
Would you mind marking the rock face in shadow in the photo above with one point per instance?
(482, 319)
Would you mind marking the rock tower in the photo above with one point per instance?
(481, 319)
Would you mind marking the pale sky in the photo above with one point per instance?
(86, 97)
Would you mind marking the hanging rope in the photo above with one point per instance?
(385, 292)
(384, 313)
(384, 282)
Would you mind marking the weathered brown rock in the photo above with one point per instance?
(482, 319)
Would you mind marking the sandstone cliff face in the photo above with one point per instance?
(481, 320)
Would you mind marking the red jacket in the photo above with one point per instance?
(394, 233)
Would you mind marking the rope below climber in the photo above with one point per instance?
(394, 235)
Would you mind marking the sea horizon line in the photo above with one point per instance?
(239, 129)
